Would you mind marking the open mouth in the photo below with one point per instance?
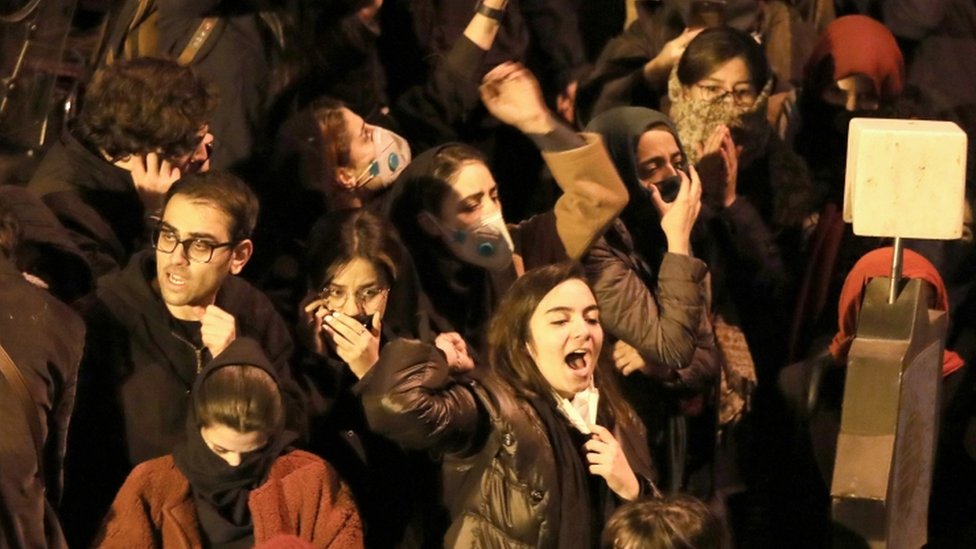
(576, 360)
(175, 280)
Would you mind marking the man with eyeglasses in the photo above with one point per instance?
(153, 326)
(144, 123)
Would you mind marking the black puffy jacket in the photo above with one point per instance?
(500, 474)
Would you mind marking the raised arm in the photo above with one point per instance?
(593, 194)
(428, 113)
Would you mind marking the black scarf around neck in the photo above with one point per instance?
(220, 491)
(578, 494)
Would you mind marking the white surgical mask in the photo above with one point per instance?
(582, 410)
(487, 244)
(392, 156)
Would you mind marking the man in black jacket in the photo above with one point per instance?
(152, 327)
(144, 123)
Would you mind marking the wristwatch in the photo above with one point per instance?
(489, 12)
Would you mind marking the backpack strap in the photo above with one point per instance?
(18, 385)
(140, 37)
(199, 38)
(123, 42)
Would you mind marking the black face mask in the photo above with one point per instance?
(364, 319)
(669, 188)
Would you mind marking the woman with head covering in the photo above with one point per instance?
(719, 94)
(651, 291)
(447, 209)
(815, 388)
(538, 447)
(856, 69)
(234, 482)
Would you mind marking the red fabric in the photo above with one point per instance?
(303, 497)
(823, 249)
(859, 44)
(878, 263)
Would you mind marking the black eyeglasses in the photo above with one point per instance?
(743, 97)
(335, 297)
(198, 250)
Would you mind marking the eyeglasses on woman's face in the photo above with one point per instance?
(742, 96)
(365, 298)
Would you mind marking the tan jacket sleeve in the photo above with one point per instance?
(593, 194)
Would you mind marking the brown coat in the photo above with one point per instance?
(303, 496)
(45, 339)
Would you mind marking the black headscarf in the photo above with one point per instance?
(621, 129)
(221, 491)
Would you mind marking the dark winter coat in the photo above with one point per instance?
(45, 339)
(135, 387)
(95, 201)
(501, 479)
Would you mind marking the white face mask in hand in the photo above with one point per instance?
(392, 157)
(487, 244)
(581, 411)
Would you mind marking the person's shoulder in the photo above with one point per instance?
(305, 469)
(158, 474)
(157, 483)
(55, 172)
(238, 296)
(125, 292)
(298, 460)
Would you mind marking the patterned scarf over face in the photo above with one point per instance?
(697, 119)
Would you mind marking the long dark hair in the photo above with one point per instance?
(509, 335)
(426, 182)
(717, 46)
(343, 236)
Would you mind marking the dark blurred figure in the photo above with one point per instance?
(541, 34)
(46, 250)
(44, 339)
(245, 49)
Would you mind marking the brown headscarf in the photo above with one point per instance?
(878, 263)
(858, 44)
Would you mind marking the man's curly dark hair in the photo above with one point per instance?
(145, 105)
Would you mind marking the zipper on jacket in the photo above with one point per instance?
(197, 352)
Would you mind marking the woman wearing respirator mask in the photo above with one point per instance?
(447, 210)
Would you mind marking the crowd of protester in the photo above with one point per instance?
(494, 273)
